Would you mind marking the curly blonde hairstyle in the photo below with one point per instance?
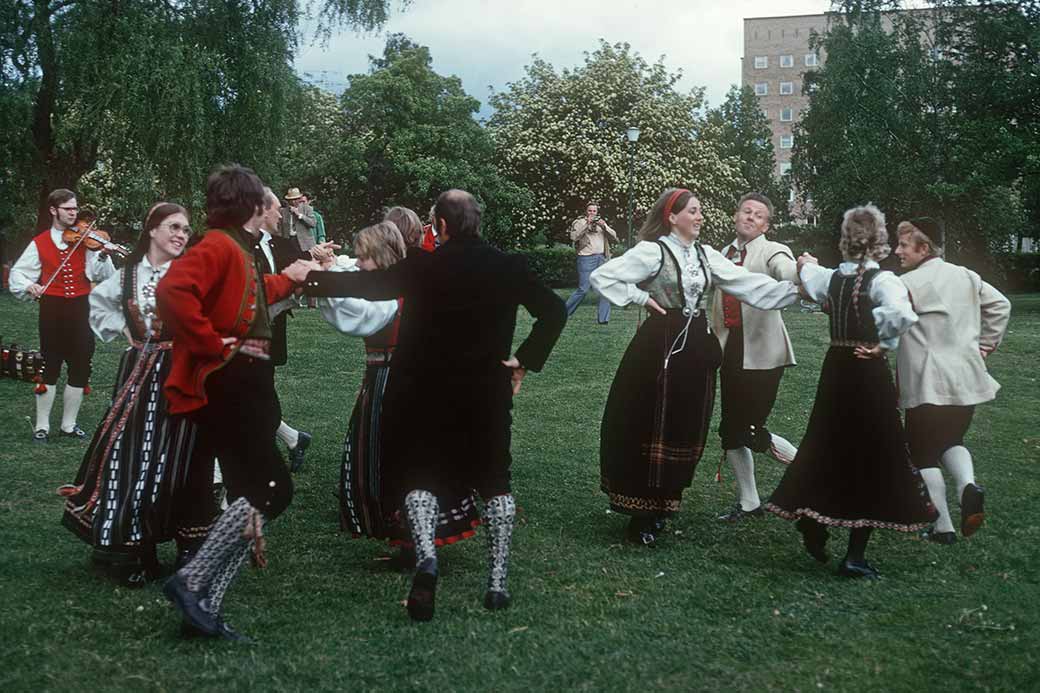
(863, 235)
(382, 243)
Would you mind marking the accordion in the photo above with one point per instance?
(20, 364)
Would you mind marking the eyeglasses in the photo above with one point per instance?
(173, 229)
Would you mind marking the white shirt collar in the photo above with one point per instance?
(851, 267)
(56, 238)
(674, 236)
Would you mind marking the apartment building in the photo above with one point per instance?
(776, 57)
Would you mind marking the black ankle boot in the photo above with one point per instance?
(814, 538)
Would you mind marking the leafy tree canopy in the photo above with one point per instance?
(561, 134)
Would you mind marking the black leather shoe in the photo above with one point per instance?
(76, 432)
(40, 436)
(940, 537)
(814, 538)
(187, 602)
(224, 631)
(738, 513)
(296, 454)
(641, 531)
(424, 591)
(858, 569)
(972, 512)
(494, 600)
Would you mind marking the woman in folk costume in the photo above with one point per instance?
(366, 505)
(140, 483)
(853, 469)
(660, 403)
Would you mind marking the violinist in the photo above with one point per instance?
(58, 271)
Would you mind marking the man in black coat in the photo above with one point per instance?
(446, 412)
(275, 254)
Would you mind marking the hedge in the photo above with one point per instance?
(556, 266)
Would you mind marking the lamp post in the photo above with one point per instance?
(632, 133)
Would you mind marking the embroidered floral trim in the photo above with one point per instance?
(840, 522)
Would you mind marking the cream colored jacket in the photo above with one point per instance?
(939, 359)
(766, 343)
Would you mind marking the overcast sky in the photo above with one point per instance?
(488, 42)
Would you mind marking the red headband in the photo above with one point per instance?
(671, 202)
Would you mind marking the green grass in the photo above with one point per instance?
(712, 608)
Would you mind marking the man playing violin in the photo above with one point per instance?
(58, 273)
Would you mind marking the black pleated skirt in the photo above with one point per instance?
(657, 415)
(853, 468)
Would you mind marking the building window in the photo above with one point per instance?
(785, 168)
(786, 61)
(786, 87)
(761, 88)
(786, 115)
(786, 141)
(811, 60)
(761, 61)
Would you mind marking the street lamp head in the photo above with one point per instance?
(632, 134)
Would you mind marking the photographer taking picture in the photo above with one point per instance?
(592, 238)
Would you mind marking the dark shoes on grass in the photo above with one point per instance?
(296, 454)
(814, 538)
(945, 538)
(858, 569)
(40, 436)
(738, 514)
(424, 591)
(495, 600)
(972, 512)
(76, 433)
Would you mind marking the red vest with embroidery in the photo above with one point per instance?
(730, 305)
(71, 281)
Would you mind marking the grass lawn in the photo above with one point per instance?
(713, 607)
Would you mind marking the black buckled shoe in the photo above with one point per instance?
(424, 591)
(972, 511)
(40, 436)
(296, 454)
(737, 514)
(814, 538)
(495, 600)
(187, 602)
(641, 531)
(945, 538)
(858, 569)
(76, 432)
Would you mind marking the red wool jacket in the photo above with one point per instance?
(209, 293)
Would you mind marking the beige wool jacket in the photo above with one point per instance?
(766, 342)
(939, 360)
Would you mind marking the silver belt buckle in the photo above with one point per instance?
(687, 311)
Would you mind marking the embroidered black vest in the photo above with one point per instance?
(851, 309)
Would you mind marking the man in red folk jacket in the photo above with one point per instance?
(215, 299)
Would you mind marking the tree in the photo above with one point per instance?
(745, 138)
(561, 135)
(184, 84)
(902, 114)
(404, 134)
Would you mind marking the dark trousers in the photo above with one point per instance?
(747, 398)
(238, 427)
(65, 336)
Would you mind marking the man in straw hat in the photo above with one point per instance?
(942, 369)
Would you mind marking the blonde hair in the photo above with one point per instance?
(863, 235)
(382, 243)
(918, 237)
(407, 222)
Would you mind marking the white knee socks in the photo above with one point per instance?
(288, 435)
(44, 402)
(781, 449)
(72, 398)
(743, 463)
(957, 461)
(933, 479)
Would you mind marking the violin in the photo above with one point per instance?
(93, 239)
